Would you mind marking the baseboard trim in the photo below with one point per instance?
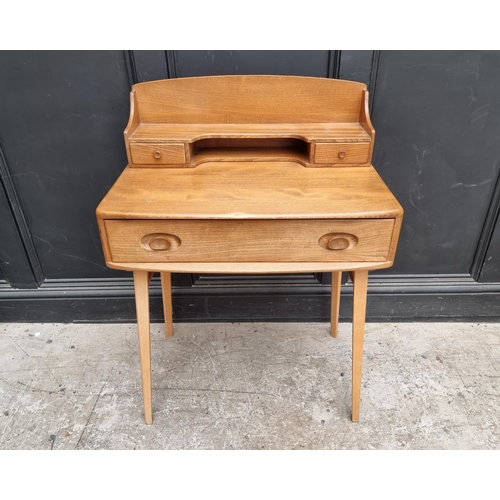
(390, 298)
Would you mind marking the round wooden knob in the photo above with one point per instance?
(338, 243)
(157, 154)
(341, 155)
(159, 244)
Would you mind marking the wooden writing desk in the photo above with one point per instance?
(249, 174)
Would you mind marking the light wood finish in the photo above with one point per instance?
(192, 132)
(141, 284)
(306, 109)
(249, 99)
(365, 122)
(341, 153)
(166, 290)
(249, 150)
(251, 240)
(249, 267)
(134, 119)
(200, 143)
(360, 283)
(162, 154)
(249, 191)
(249, 201)
(335, 305)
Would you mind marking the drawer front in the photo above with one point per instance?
(341, 153)
(142, 241)
(158, 154)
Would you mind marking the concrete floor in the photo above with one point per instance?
(250, 386)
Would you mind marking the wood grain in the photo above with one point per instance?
(141, 284)
(166, 291)
(250, 142)
(341, 153)
(250, 240)
(250, 99)
(360, 282)
(245, 154)
(186, 111)
(192, 132)
(250, 204)
(158, 154)
(248, 267)
(365, 122)
(335, 305)
(133, 122)
(222, 190)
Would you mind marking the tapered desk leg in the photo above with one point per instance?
(360, 281)
(141, 285)
(334, 317)
(166, 291)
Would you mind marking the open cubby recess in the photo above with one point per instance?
(249, 149)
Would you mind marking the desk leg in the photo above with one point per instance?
(141, 285)
(360, 281)
(166, 291)
(334, 317)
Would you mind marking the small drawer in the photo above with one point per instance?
(164, 154)
(341, 153)
(154, 241)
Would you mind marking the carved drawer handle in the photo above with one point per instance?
(338, 241)
(161, 242)
(157, 154)
(341, 155)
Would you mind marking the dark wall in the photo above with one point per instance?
(62, 115)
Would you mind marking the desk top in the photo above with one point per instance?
(249, 190)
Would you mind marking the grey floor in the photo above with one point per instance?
(250, 386)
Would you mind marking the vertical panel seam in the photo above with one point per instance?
(490, 221)
(131, 67)
(373, 79)
(20, 220)
(172, 67)
(334, 57)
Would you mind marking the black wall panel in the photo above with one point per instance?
(270, 62)
(357, 65)
(62, 115)
(61, 128)
(437, 118)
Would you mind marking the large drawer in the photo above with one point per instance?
(250, 240)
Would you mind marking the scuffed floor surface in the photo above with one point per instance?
(250, 386)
